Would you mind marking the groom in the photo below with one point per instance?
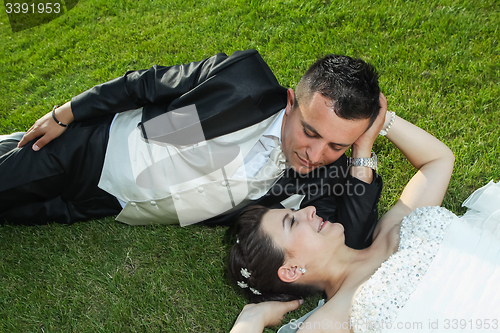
(244, 140)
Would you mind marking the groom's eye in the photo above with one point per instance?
(335, 148)
(308, 133)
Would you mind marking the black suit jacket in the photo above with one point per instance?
(231, 93)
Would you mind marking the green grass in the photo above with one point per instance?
(440, 66)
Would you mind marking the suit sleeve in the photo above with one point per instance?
(354, 204)
(359, 210)
(156, 85)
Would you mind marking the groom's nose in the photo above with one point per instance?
(315, 153)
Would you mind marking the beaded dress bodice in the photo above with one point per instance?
(389, 288)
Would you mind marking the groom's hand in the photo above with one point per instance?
(365, 141)
(46, 128)
(362, 148)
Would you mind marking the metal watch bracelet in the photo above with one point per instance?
(370, 162)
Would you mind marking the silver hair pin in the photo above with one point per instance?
(255, 291)
(243, 285)
(245, 273)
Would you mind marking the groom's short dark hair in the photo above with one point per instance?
(351, 84)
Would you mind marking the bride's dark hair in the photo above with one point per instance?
(256, 253)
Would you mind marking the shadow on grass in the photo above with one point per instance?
(32, 13)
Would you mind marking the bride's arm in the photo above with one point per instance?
(433, 159)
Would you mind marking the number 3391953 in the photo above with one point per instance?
(41, 8)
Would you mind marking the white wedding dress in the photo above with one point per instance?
(445, 276)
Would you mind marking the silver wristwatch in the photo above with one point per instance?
(370, 162)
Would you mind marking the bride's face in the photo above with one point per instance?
(302, 234)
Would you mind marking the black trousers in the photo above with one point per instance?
(59, 182)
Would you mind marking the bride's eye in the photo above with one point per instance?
(292, 221)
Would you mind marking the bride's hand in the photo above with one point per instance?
(46, 129)
(254, 317)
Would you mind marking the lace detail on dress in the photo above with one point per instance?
(379, 300)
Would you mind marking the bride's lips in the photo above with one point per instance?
(321, 224)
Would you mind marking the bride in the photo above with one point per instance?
(426, 271)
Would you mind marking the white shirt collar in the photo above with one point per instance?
(275, 129)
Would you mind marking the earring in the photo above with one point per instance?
(302, 270)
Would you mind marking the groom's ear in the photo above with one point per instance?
(288, 273)
(290, 101)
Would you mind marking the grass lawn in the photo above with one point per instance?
(440, 66)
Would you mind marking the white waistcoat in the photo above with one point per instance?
(163, 183)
